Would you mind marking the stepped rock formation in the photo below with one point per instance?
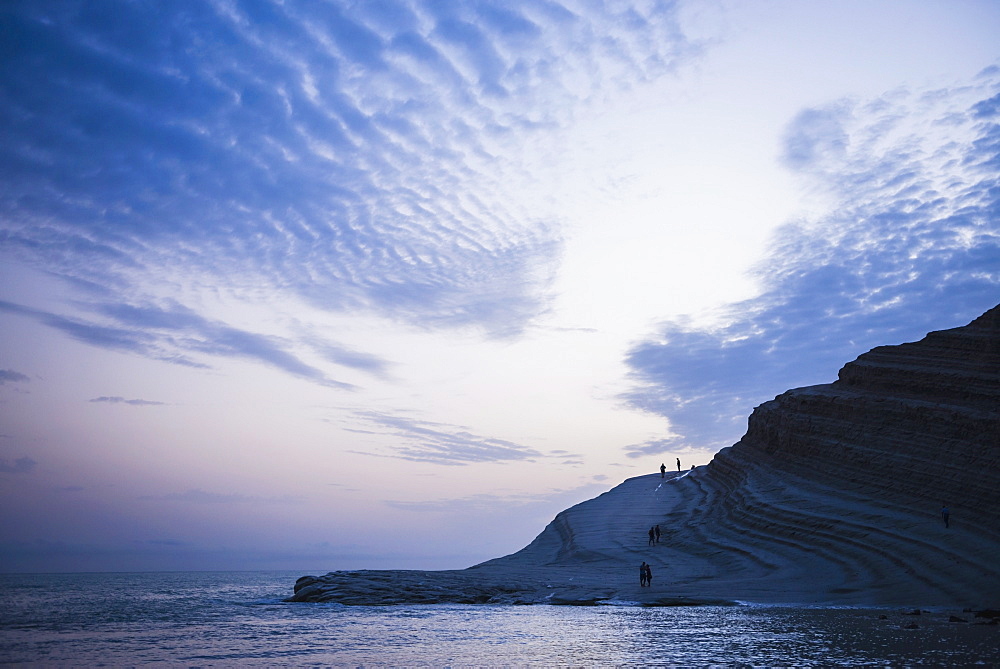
(832, 496)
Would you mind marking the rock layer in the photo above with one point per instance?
(832, 496)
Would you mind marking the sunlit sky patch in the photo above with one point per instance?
(334, 285)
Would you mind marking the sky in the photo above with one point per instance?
(390, 283)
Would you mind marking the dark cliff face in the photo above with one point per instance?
(917, 423)
(959, 367)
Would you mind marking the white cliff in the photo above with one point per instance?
(833, 496)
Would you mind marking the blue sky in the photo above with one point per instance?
(388, 284)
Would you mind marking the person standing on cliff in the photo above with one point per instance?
(663, 470)
(678, 464)
(945, 513)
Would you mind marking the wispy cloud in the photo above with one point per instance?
(122, 400)
(487, 504)
(651, 447)
(10, 376)
(18, 466)
(427, 441)
(172, 543)
(174, 333)
(348, 357)
(97, 335)
(196, 496)
(912, 245)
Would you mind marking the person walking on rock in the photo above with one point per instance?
(663, 470)
(678, 464)
(652, 536)
(944, 514)
(649, 576)
(657, 529)
(642, 575)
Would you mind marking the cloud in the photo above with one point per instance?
(10, 376)
(480, 505)
(195, 496)
(359, 156)
(815, 135)
(651, 447)
(348, 357)
(186, 329)
(344, 486)
(168, 542)
(122, 400)
(566, 457)
(426, 441)
(96, 335)
(170, 333)
(470, 504)
(911, 245)
(19, 466)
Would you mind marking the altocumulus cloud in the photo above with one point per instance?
(911, 245)
(355, 155)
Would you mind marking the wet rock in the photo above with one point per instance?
(304, 581)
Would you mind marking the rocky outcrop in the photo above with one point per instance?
(832, 496)
(385, 587)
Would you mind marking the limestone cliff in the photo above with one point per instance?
(833, 495)
(855, 473)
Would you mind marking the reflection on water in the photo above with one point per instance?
(238, 619)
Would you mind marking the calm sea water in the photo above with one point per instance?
(229, 619)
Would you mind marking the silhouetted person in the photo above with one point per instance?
(663, 470)
(652, 536)
(678, 464)
(945, 513)
(642, 575)
(649, 576)
(657, 528)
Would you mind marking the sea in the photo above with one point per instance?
(239, 619)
